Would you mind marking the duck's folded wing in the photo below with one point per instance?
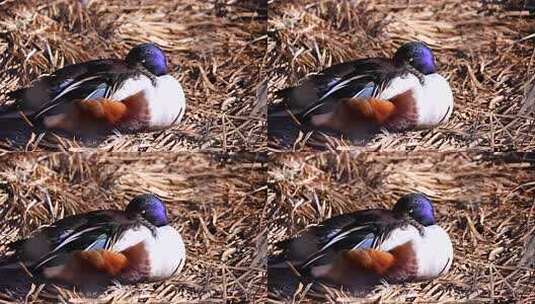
(47, 87)
(94, 87)
(319, 93)
(91, 79)
(318, 245)
(50, 245)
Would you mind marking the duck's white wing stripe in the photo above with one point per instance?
(73, 87)
(43, 262)
(70, 88)
(365, 91)
(342, 236)
(69, 239)
(341, 85)
(75, 236)
(367, 242)
(102, 90)
(319, 256)
(369, 90)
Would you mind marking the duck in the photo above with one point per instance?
(365, 248)
(136, 94)
(129, 246)
(359, 97)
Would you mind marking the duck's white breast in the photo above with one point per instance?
(434, 251)
(400, 85)
(434, 102)
(166, 251)
(167, 102)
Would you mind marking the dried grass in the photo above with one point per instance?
(485, 52)
(213, 201)
(486, 203)
(218, 46)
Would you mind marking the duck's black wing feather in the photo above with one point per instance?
(47, 87)
(318, 244)
(49, 245)
(77, 81)
(318, 93)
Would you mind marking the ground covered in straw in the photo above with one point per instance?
(484, 51)
(214, 202)
(485, 203)
(214, 48)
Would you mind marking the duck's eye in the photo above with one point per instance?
(411, 211)
(411, 59)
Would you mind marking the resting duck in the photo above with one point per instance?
(362, 249)
(136, 94)
(399, 94)
(134, 245)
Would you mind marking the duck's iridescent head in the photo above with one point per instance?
(418, 55)
(149, 207)
(150, 56)
(417, 206)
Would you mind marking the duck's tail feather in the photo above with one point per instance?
(283, 128)
(15, 130)
(5, 115)
(14, 276)
(10, 263)
(283, 279)
(9, 111)
(284, 244)
(12, 112)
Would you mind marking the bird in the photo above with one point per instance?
(93, 248)
(359, 97)
(362, 249)
(136, 94)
